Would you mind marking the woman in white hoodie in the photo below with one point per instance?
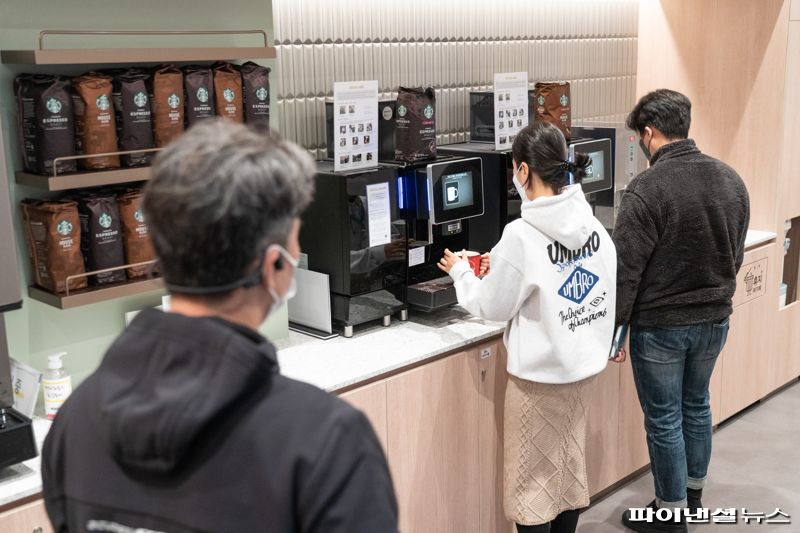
(552, 278)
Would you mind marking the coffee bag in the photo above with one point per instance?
(198, 83)
(47, 122)
(553, 105)
(415, 126)
(255, 80)
(101, 237)
(53, 234)
(166, 102)
(135, 236)
(228, 91)
(95, 124)
(134, 119)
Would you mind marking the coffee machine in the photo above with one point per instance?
(627, 162)
(355, 232)
(497, 189)
(611, 147)
(440, 199)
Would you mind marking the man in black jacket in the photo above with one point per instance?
(680, 237)
(187, 424)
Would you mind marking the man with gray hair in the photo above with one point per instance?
(187, 424)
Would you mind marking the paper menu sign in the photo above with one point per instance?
(355, 125)
(379, 221)
(510, 107)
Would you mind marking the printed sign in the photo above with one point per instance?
(510, 107)
(379, 214)
(355, 125)
(751, 282)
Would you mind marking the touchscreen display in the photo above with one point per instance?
(457, 190)
(594, 172)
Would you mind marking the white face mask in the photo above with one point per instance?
(278, 301)
(523, 195)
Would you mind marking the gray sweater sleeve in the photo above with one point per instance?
(635, 237)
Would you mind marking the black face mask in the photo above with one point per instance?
(645, 150)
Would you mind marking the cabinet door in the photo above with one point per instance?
(371, 400)
(602, 431)
(747, 356)
(493, 358)
(29, 518)
(434, 445)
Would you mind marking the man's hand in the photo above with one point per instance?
(449, 260)
(620, 357)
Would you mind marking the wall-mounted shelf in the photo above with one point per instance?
(88, 56)
(67, 182)
(133, 55)
(95, 295)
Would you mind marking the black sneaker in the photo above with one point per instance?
(693, 497)
(655, 525)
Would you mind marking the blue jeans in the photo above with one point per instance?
(672, 369)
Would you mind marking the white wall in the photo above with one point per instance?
(456, 46)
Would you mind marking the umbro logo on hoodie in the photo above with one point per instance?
(578, 285)
(561, 254)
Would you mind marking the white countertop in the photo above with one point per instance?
(374, 350)
(756, 237)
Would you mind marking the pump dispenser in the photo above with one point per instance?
(56, 384)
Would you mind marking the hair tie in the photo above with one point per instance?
(568, 166)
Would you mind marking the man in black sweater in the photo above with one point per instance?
(187, 425)
(680, 237)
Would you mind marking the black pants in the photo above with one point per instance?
(566, 522)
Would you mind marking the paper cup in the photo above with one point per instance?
(474, 259)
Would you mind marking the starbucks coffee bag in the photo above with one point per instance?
(134, 119)
(47, 122)
(53, 235)
(415, 125)
(166, 97)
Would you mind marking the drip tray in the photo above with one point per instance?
(431, 295)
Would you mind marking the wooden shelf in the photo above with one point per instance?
(67, 182)
(95, 295)
(133, 55)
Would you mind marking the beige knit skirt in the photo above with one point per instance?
(545, 449)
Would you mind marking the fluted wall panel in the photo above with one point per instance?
(456, 46)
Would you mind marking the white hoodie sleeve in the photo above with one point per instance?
(498, 296)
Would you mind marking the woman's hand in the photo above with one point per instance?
(449, 260)
(484, 264)
(620, 357)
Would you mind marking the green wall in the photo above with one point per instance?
(37, 329)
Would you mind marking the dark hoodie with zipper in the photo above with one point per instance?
(188, 426)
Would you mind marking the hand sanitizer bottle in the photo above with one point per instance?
(57, 385)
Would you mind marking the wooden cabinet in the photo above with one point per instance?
(434, 446)
(750, 349)
(441, 426)
(371, 400)
(28, 518)
(494, 378)
(602, 435)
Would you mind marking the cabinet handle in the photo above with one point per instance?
(483, 375)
